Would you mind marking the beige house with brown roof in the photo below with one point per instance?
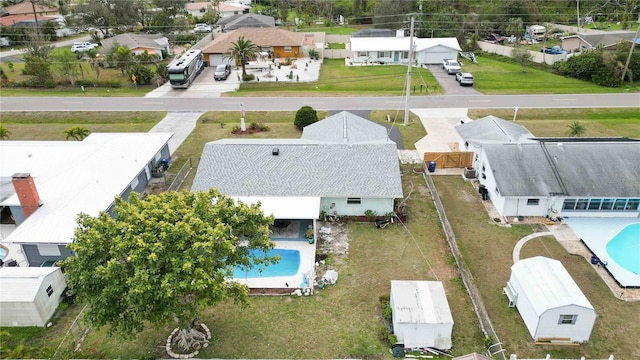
(281, 43)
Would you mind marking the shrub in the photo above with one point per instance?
(370, 214)
(101, 83)
(235, 130)
(306, 115)
(248, 77)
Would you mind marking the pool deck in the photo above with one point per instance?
(571, 242)
(292, 238)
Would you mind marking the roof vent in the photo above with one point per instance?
(275, 152)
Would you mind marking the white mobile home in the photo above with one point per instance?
(420, 314)
(30, 295)
(553, 307)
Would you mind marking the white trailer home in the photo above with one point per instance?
(30, 295)
(420, 314)
(553, 307)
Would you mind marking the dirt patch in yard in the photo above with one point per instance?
(333, 242)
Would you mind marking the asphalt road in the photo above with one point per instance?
(319, 103)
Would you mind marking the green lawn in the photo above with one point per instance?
(496, 76)
(554, 122)
(337, 79)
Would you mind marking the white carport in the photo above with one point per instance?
(286, 207)
(420, 314)
(553, 307)
(30, 295)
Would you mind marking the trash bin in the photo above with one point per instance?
(398, 350)
(165, 163)
(431, 166)
(594, 260)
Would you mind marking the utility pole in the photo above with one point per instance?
(410, 65)
(578, 14)
(633, 44)
(35, 15)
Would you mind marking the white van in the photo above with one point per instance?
(537, 32)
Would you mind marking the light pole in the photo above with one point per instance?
(578, 14)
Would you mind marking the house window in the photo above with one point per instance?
(362, 53)
(354, 201)
(567, 319)
(134, 183)
(49, 291)
(533, 201)
(405, 54)
(581, 204)
(287, 49)
(569, 204)
(594, 204)
(607, 204)
(633, 205)
(619, 205)
(385, 54)
(48, 250)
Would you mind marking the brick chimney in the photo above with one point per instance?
(27, 193)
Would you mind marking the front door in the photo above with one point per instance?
(396, 56)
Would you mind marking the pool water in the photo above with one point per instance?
(624, 248)
(287, 266)
(3, 253)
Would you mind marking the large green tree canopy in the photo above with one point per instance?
(163, 257)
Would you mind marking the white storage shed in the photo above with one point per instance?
(553, 307)
(421, 315)
(30, 295)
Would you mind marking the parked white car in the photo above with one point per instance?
(464, 78)
(202, 28)
(82, 46)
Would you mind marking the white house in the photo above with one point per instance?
(46, 184)
(330, 174)
(420, 314)
(553, 307)
(395, 50)
(554, 177)
(30, 295)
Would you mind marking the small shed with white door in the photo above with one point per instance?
(30, 295)
(420, 314)
(553, 307)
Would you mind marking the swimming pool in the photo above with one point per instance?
(3, 252)
(616, 242)
(287, 266)
(624, 248)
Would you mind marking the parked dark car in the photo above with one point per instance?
(222, 72)
(554, 50)
(495, 38)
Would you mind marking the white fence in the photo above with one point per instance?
(538, 57)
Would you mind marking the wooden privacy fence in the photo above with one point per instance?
(457, 159)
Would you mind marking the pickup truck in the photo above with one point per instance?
(451, 66)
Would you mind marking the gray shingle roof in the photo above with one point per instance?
(249, 20)
(345, 127)
(575, 168)
(132, 41)
(491, 128)
(246, 167)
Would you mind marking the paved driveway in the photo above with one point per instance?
(449, 84)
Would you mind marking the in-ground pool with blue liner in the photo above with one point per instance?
(624, 248)
(287, 266)
(3, 253)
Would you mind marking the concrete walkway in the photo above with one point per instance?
(181, 124)
(521, 242)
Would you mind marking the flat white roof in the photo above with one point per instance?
(401, 43)
(21, 284)
(547, 284)
(420, 302)
(286, 207)
(73, 177)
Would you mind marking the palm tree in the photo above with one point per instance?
(4, 133)
(242, 51)
(576, 129)
(77, 133)
(94, 62)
